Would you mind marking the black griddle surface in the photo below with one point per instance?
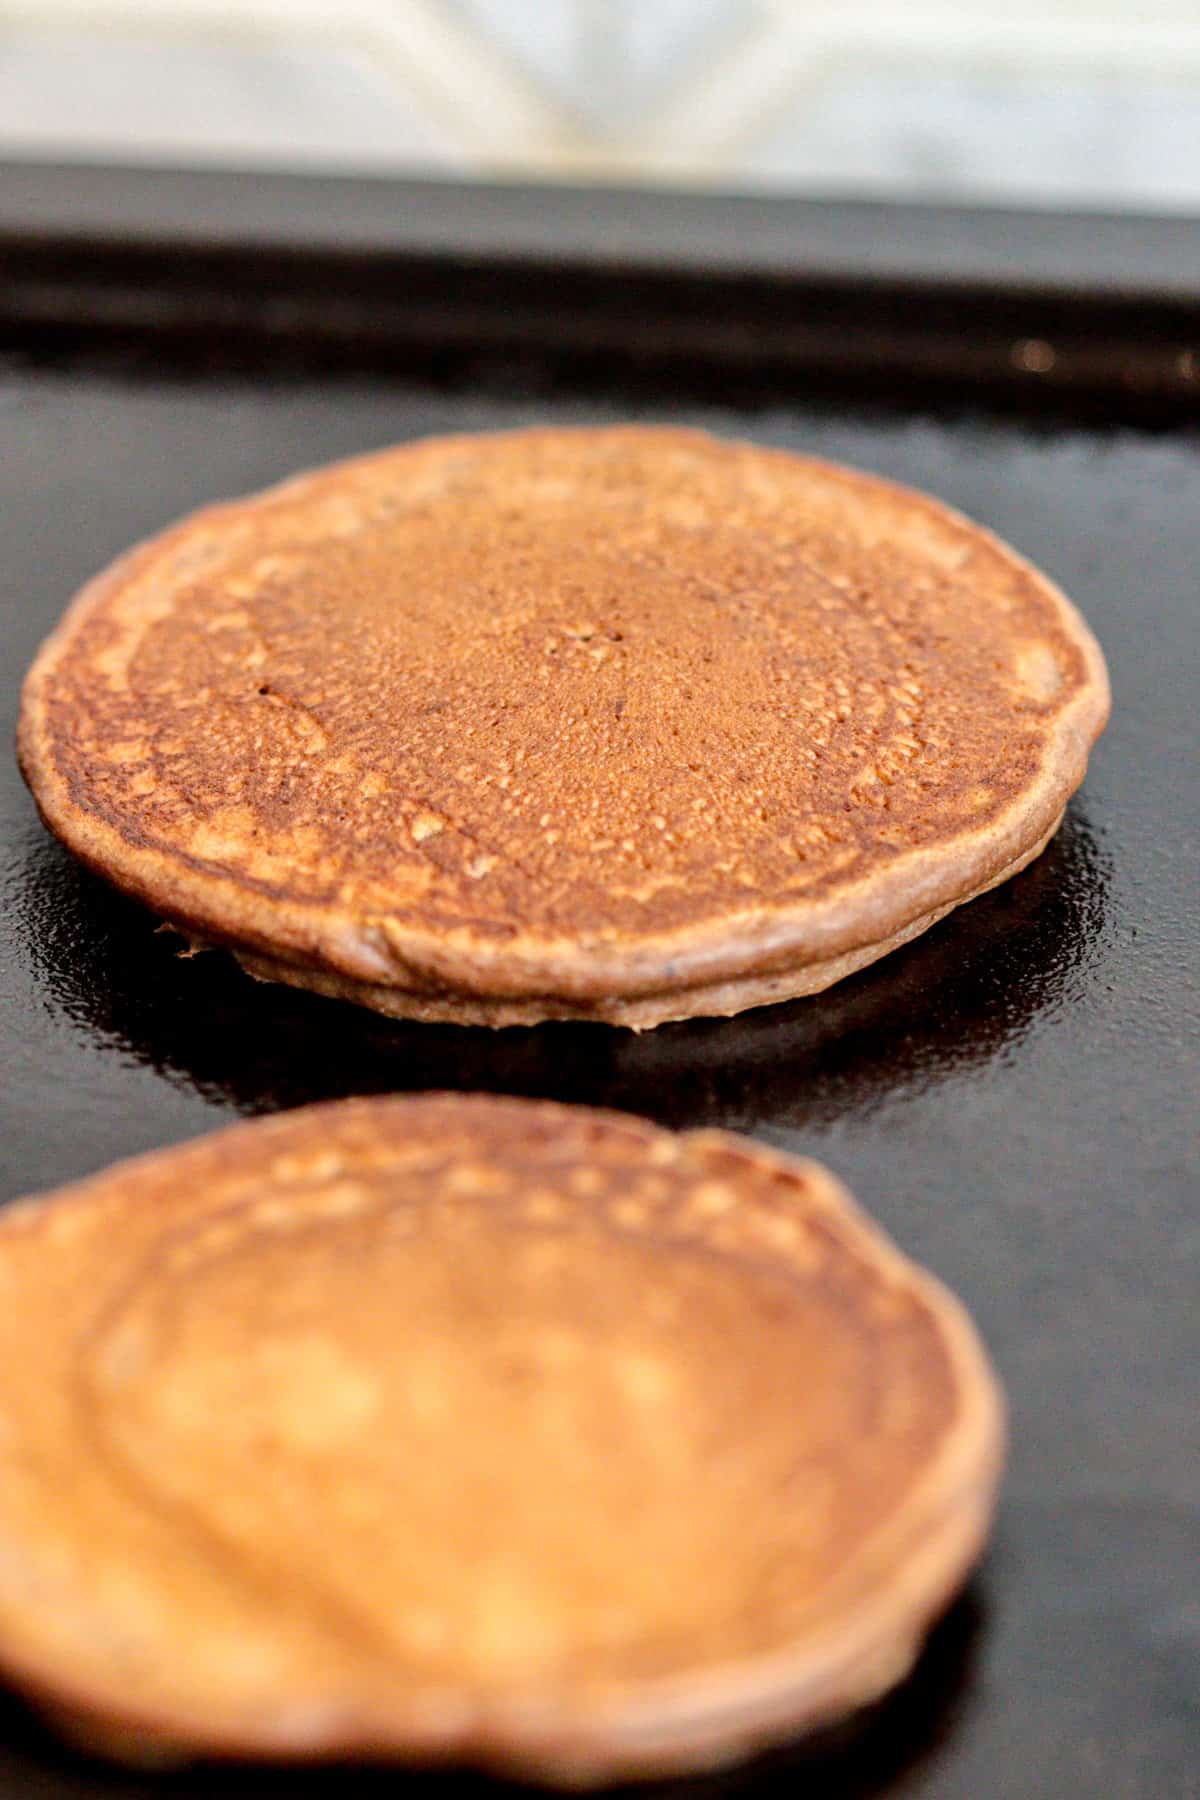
(1013, 1096)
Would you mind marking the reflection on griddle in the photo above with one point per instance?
(958, 997)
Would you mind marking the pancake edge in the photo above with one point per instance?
(719, 1000)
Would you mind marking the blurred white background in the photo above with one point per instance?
(1075, 102)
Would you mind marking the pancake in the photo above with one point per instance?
(456, 1428)
(623, 723)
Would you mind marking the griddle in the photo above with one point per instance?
(1013, 1096)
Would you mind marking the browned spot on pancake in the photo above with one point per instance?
(601, 688)
(517, 1432)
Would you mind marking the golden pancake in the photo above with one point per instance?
(460, 1428)
(628, 724)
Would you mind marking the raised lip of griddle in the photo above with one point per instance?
(1023, 306)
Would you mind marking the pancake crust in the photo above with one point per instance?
(520, 1435)
(625, 723)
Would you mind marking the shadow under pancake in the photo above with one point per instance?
(958, 997)
(860, 1760)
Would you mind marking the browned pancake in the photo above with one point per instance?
(453, 1427)
(619, 723)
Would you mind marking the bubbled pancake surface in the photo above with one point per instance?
(564, 721)
(525, 1435)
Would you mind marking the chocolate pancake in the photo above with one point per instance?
(463, 1428)
(627, 724)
